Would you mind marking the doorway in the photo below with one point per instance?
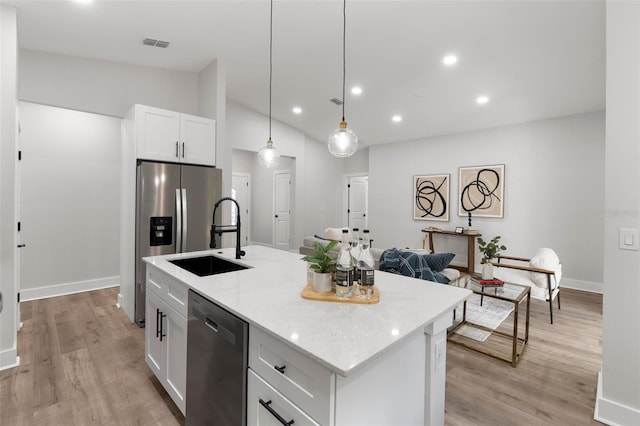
(282, 207)
(240, 191)
(357, 201)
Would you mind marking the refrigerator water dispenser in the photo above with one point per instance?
(161, 230)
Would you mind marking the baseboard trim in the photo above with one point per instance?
(589, 286)
(67, 288)
(9, 359)
(613, 413)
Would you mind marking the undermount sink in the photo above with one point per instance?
(207, 265)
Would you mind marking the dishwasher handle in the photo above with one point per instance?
(221, 331)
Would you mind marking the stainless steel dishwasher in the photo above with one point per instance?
(217, 347)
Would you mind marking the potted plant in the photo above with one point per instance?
(489, 251)
(322, 263)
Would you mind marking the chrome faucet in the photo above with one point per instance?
(220, 229)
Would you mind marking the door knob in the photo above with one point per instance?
(276, 215)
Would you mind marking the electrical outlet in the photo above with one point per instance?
(441, 348)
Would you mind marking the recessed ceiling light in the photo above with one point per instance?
(481, 100)
(297, 110)
(396, 118)
(356, 90)
(450, 60)
(83, 1)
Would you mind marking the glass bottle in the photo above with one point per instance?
(344, 268)
(356, 249)
(365, 268)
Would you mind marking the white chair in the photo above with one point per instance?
(542, 273)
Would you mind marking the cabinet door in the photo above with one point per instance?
(157, 134)
(154, 348)
(198, 134)
(267, 407)
(176, 357)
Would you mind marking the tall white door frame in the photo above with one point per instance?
(245, 204)
(345, 197)
(282, 209)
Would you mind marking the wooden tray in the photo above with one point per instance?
(309, 293)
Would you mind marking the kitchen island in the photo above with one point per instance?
(369, 364)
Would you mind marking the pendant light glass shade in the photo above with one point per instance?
(268, 156)
(342, 141)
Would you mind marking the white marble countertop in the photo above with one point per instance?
(342, 336)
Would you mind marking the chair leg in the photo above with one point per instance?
(551, 309)
(558, 296)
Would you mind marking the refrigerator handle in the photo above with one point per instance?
(178, 222)
(184, 219)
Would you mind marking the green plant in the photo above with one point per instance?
(321, 260)
(490, 249)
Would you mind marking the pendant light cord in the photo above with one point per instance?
(344, 57)
(271, 62)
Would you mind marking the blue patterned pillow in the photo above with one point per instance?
(438, 261)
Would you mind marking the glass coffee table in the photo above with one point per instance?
(510, 292)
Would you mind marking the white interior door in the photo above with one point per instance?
(240, 193)
(19, 227)
(282, 214)
(358, 202)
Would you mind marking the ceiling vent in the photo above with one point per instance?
(336, 101)
(155, 43)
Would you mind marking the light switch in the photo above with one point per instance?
(629, 239)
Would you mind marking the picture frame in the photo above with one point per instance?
(459, 230)
(431, 197)
(481, 191)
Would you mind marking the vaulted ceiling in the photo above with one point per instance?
(533, 59)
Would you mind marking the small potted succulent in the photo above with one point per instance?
(489, 250)
(323, 264)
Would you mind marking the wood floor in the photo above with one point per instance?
(82, 363)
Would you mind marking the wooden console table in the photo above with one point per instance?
(471, 247)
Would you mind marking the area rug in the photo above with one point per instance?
(491, 314)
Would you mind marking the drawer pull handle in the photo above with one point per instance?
(157, 322)
(273, 412)
(162, 331)
(280, 369)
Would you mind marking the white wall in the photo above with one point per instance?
(358, 162)
(554, 187)
(103, 87)
(618, 400)
(317, 174)
(8, 131)
(70, 201)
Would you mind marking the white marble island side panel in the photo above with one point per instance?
(342, 336)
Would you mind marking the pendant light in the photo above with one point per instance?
(342, 141)
(268, 156)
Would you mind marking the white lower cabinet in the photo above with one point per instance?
(268, 407)
(390, 390)
(166, 346)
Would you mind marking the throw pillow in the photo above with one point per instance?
(438, 261)
(335, 234)
(544, 258)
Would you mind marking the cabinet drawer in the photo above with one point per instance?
(168, 288)
(264, 404)
(300, 379)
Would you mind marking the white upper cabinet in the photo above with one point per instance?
(163, 135)
(197, 136)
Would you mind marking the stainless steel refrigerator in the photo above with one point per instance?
(174, 204)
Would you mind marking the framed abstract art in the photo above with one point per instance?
(431, 197)
(481, 190)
